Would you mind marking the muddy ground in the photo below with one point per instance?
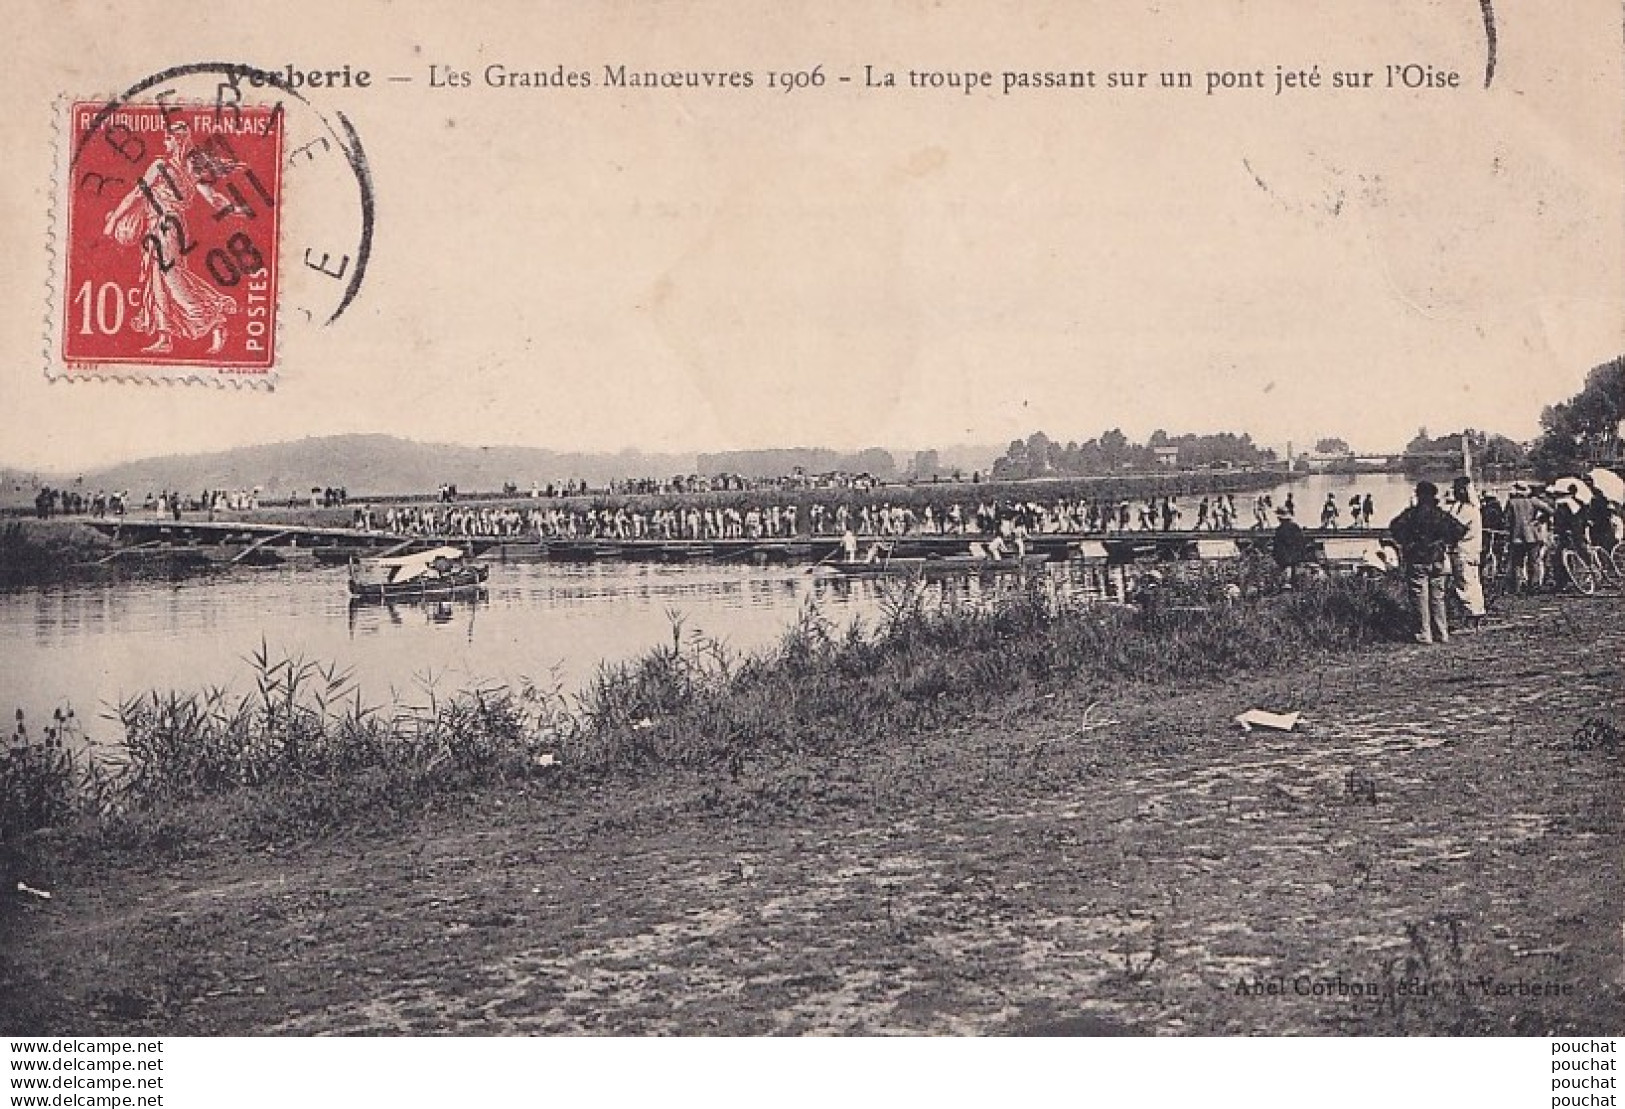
(1437, 849)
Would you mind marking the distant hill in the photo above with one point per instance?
(373, 465)
(15, 480)
(383, 465)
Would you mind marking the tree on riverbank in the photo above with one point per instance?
(1586, 427)
(1113, 453)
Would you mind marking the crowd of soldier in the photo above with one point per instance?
(1081, 516)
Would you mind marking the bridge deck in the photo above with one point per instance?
(231, 533)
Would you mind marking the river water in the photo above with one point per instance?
(88, 645)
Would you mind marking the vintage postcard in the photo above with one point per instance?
(714, 518)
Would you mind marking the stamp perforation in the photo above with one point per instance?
(181, 191)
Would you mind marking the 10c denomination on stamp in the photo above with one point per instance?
(171, 252)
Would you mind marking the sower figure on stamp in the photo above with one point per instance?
(152, 216)
(1425, 533)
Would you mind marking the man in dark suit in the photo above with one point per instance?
(1289, 546)
(1425, 533)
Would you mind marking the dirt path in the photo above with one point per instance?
(1444, 831)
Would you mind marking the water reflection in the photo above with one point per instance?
(368, 616)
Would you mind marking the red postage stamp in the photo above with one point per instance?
(171, 251)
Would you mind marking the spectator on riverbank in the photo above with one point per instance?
(1467, 554)
(1425, 533)
(1289, 546)
(1601, 519)
(1491, 513)
(1525, 517)
(1571, 530)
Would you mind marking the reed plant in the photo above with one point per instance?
(48, 777)
(303, 744)
(931, 657)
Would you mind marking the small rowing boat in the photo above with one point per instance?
(435, 574)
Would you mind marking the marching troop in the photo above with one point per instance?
(1082, 516)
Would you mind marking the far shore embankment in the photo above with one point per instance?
(34, 551)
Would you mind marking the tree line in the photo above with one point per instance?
(1112, 452)
(1584, 428)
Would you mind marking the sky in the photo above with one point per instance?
(844, 266)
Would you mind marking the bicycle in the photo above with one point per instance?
(1560, 568)
(1610, 563)
(1594, 569)
(1582, 572)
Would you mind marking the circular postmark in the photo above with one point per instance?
(206, 205)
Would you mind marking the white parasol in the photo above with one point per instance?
(1571, 487)
(1609, 484)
